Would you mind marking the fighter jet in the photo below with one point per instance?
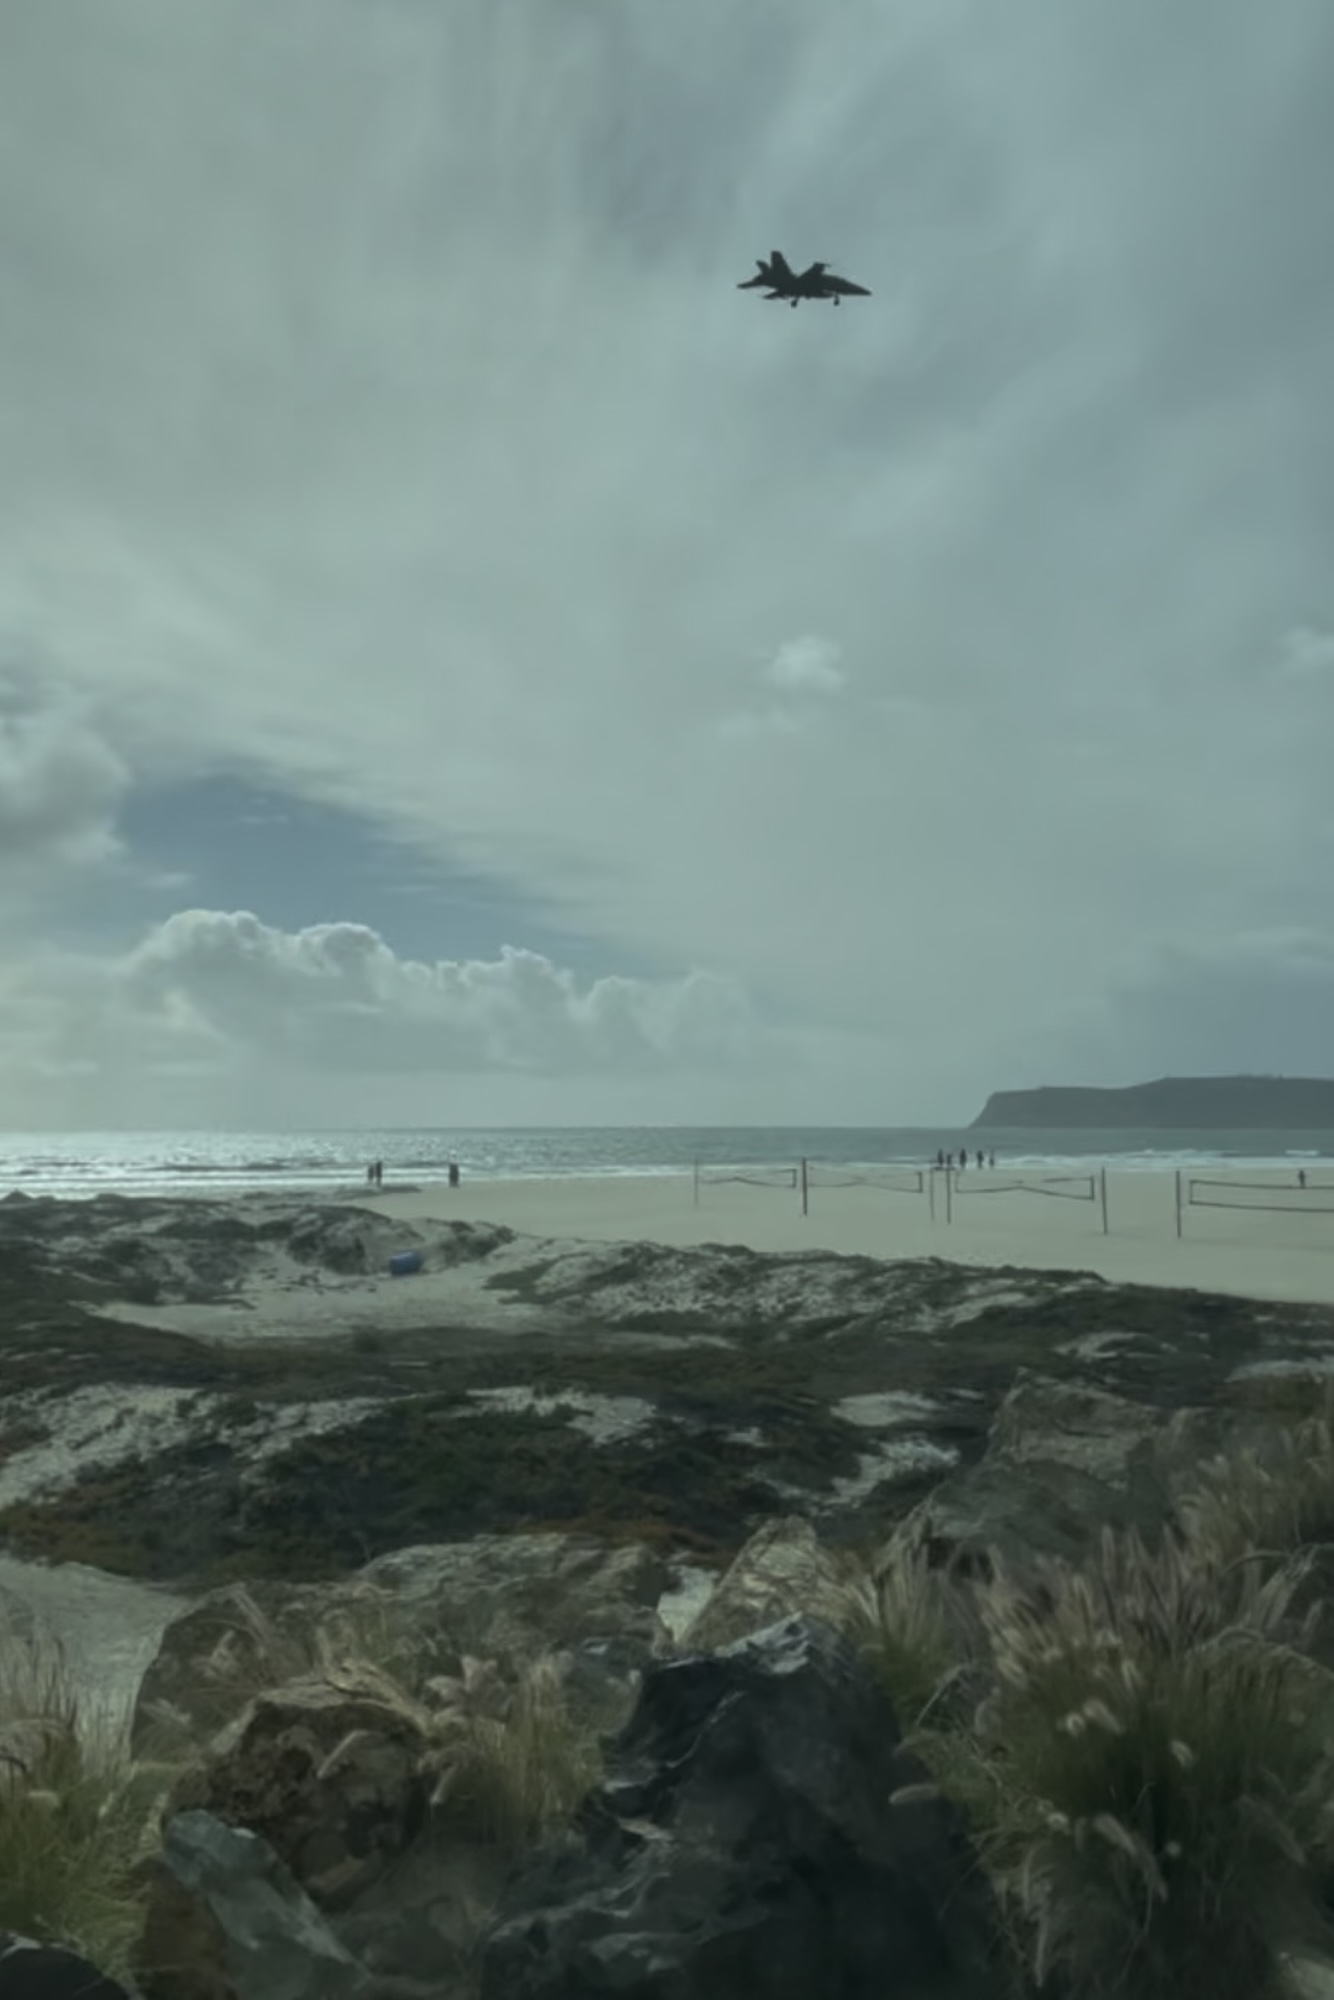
(818, 282)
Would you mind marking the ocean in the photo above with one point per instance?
(79, 1164)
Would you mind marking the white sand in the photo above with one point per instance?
(1241, 1249)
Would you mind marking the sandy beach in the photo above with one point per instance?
(1248, 1248)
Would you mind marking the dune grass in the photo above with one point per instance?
(1164, 1773)
(1282, 1499)
(1150, 1777)
(511, 1765)
(75, 1813)
(504, 1755)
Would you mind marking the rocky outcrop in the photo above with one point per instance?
(1174, 1103)
(331, 1775)
(746, 1842)
(33, 1971)
(505, 1598)
(784, 1570)
(227, 1921)
(1063, 1462)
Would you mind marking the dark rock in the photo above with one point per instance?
(31, 1971)
(744, 1844)
(1064, 1461)
(423, 1921)
(226, 1920)
(501, 1597)
(331, 1775)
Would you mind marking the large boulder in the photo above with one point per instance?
(1063, 1462)
(332, 1775)
(225, 1920)
(783, 1571)
(33, 1971)
(499, 1597)
(423, 1921)
(746, 1841)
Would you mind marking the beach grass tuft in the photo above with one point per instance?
(76, 1814)
(1150, 1777)
(1282, 1499)
(904, 1618)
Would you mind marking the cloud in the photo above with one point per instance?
(807, 666)
(381, 416)
(1304, 654)
(61, 784)
(335, 999)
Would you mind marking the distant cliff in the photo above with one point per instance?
(1177, 1103)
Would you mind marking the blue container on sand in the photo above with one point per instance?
(406, 1262)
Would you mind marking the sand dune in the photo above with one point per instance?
(1247, 1248)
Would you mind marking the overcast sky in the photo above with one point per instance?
(463, 660)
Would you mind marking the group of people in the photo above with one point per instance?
(375, 1174)
(944, 1159)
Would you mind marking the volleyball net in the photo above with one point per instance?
(1305, 1197)
(982, 1184)
(887, 1179)
(744, 1176)
(942, 1189)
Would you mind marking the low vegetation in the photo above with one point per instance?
(1150, 1775)
(1143, 1744)
(74, 1812)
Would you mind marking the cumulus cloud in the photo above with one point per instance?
(335, 998)
(807, 666)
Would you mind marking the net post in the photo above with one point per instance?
(1178, 1182)
(949, 1194)
(805, 1190)
(696, 1183)
(1102, 1181)
(931, 1190)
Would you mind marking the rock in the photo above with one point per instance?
(332, 1776)
(783, 1570)
(510, 1597)
(423, 1921)
(600, 1680)
(744, 1843)
(501, 1597)
(32, 1971)
(225, 1920)
(1309, 1977)
(1063, 1462)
